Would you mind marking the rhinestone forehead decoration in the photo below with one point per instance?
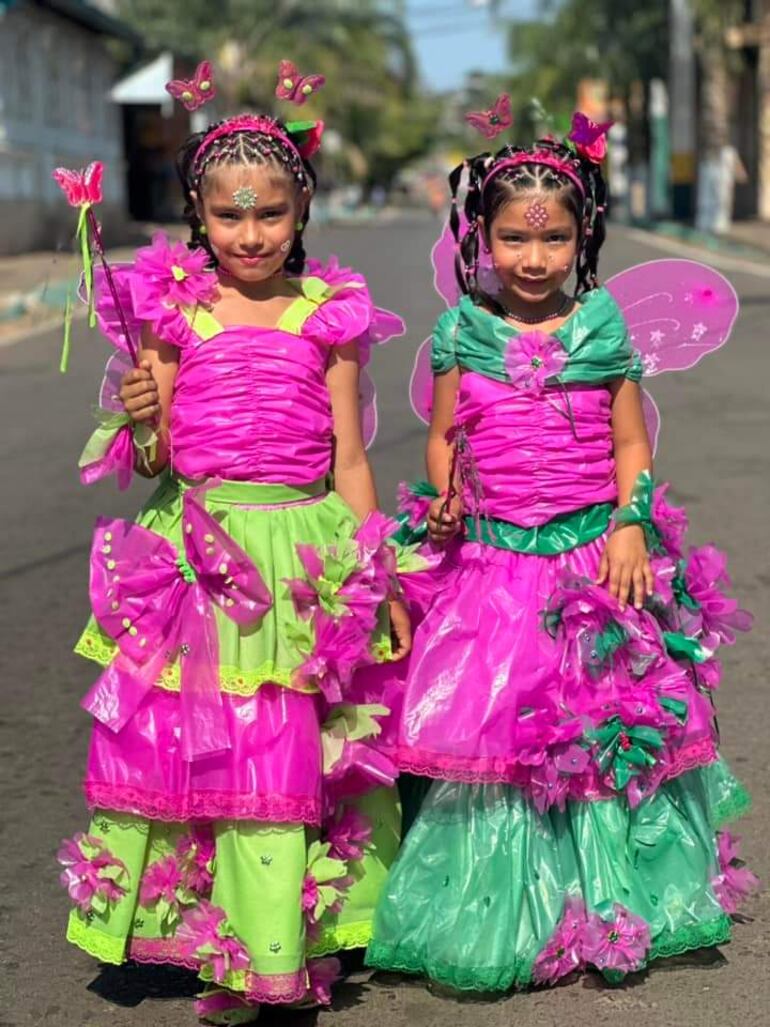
(536, 215)
(245, 198)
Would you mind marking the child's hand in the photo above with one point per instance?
(443, 527)
(626, 566)
(139, 393)
(400, 629)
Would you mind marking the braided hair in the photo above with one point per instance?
(248, 148)
(588, 206)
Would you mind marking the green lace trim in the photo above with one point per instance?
(691, 936)
(519, 975)
(233, 680)
(101, 946)
(405, 959)
(343, 936)
(736, 804)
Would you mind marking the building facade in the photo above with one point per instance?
(55, 109)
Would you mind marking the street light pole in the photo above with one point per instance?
(682, 110)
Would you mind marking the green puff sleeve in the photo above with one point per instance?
(598, 342)
(443, 353)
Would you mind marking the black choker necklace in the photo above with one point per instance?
(538, 319)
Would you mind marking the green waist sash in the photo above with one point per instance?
(255, 493)
(559, 535)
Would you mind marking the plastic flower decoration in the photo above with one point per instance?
(93, 877)
(589, 137)
(563, 951)
(83, 189)
(174, 275)
(619, 944)
(532, 358)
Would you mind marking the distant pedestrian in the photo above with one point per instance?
(558, 698)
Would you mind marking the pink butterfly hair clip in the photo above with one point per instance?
(589, 137)
(293, 86)
(497, 119)
(193, 93)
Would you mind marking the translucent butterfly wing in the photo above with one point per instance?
(421, 383)
(367, 398)
(651, 419)
(118, 364)
(677, 311)
(443, 257)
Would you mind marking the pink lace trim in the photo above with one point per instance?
(501, 770)
(162, 950)
(202, 805)
(276, 989)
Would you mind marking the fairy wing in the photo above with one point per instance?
(305, 88)
(421, 383)
(367, 398)
(118, 364)
(288, 77)
(677, 312)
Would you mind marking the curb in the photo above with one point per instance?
(687, 235)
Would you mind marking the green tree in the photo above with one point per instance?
(364, 50)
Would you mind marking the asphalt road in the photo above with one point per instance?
(715, 449)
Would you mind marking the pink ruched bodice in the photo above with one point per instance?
(251, 404)
(531, 464)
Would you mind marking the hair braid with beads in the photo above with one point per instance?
(588, 206)
(250, 149)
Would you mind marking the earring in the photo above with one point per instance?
(299, 226)
(202, 230)
(567, 267)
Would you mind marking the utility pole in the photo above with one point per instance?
(682, 110)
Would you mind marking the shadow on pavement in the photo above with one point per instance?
(131, 983)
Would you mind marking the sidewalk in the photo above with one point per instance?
(34, 286)
(748, 240)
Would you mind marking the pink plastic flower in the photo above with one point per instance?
(349, 835)
(172, 275)
(532, 358)
(706, 575)
(310, 894)
(322, 973)
(671, 522)
(589, 137)
(562, 953)
(735, 881)
(92, 875)
(340, 647)
(160, 882)
(619, 944)
(206, 934)
(414, 505)
(82, 188)
(195, 853)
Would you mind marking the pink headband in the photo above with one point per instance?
(243, 123)
(536, 157)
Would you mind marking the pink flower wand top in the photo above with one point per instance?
(157, 604)
(83, 190)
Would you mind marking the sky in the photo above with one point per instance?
(453, 37)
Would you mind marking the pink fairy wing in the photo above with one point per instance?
(421, 383)
(287, 70)
(651, 419)
(443, 257)
(311, 82)
(117, 365)
(92, 180)
(677, 311)
(72, 185)
(367, 397)
(482, 122)
(503, 112)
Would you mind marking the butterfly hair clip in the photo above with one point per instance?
(293, 86)
(589, 137)
(497, 119)
(193, 93)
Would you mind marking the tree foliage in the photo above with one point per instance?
(363, 48)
